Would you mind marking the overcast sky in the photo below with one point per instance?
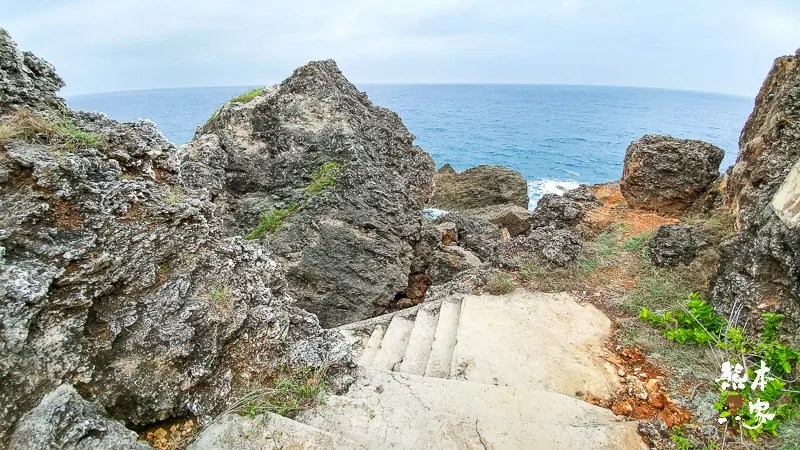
(109, 45)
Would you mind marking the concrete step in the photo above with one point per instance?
(394, 343)
(372, 347)
(444, 340)
(536, 340)
(393, 410)
(420, 342)
(268, 431)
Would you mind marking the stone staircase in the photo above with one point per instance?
(476, 372)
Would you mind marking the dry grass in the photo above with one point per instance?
(60, 133)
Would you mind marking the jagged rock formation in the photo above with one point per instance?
(759, 268)
(26, 80)
(479, 187)
(347, 243)
(666, 174)
(675, 244)
(564, 211)
(117, 274)
(64, 420)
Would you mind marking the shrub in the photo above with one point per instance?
(271, 221)
(499, 283)
(746, 357)
(323, 178)
(247, 96)
(61, 133)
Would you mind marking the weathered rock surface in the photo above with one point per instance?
(64, 420)
(515, 219)
(475, 234)
(759, 268)
(666, 174)
(118, 276)
(347, 247)
(675, 244)
(556, 246)
(564, 211)
(479, 187)
(26, 80)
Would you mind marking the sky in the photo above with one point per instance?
(722, 46)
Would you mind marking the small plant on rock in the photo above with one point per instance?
(499, 283)
(291, 392)
(323, 178)
(61, 133)
(271, 221)
(248, 96)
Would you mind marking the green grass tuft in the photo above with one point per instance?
(323, 178)
(499, 283)
(271, 221)
(247, 96)
(657, 290)
(637, 243)
(292, 392)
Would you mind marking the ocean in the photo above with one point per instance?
(557, 136)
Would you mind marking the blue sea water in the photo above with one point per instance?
(555, 135)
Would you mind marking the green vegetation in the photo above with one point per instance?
(637, 243)
(213, 115)
(61, 133)
(292, 391)
(656, 289)
(247, 96)
(680, 441)
(696, 323)
(323, 178)
(271, 221)
(499, 283)
(219, 295)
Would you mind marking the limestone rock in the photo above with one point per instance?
(479, 187)
(450, 261)
(666, 174)
(515, 219)
(564, 211)
(675, 244)
(475, 234)
(26, 80)
(118, 274)
(759, 268)
(64, 420)
(556, 246)
(347, 241)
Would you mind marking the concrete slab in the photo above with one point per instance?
(444, 340)
(541, 341)
(393, 346)
(266, 432)
(420, 343)
(393, 410)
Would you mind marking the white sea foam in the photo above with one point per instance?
(542, 186)
(434, 213)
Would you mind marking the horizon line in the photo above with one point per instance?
(251, 86)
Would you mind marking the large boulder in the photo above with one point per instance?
(675, 244)
(26, 80)
(340, 176)
(120, 277)
(566, 210)
(667, 175)
(64, 420)
(759, 268)
(479, 187)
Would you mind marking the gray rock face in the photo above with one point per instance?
(515, 219)
(564, 211)
(26, 80)
(479, 187)
(675, 244)
(759, 267)
(557, 246)
(347, 246)
(475, 234)
(118, 275)
(666, 174)
(64, 420)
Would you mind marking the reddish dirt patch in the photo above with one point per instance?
(64, 215)
(643, 394)
(615, 210)
(172, 435)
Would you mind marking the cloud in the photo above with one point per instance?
(100, 45)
